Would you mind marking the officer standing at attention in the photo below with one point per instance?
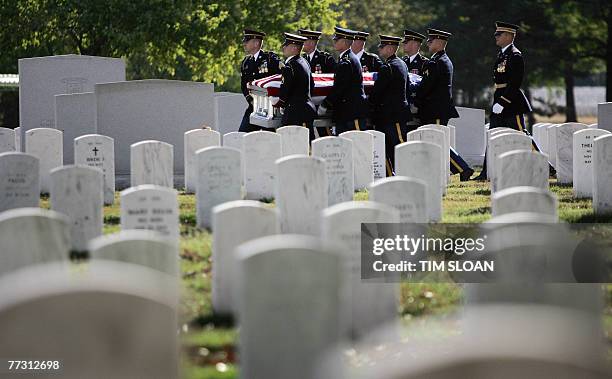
(369, 62)
(509, 101)
(415, 62)
(347, 99)
(388, 98)
(296, 85)
(321, 62)
(256, 65)
(435, 94)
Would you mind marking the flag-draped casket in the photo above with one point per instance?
(265, 93)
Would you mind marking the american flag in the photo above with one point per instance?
(323, 84)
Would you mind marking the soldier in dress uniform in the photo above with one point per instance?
(256, 65)
(296, 84)
(412, 51)
(388, 99)
(435, 94)
(347, 99)
(509, 101)
(369, 62)
(321, 62)
(415, 62)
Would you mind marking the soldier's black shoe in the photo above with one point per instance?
(466, 174)
(551, 171)
(482, 177)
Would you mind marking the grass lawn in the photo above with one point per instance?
(209, 342)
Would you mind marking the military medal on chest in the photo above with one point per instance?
(502, 66)
(318, 69)
(365, 68)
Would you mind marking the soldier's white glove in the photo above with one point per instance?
(413, 109)
(497, 108)
(322, 110)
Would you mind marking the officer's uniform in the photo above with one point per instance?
(251, 68)
(414, 67)
(435, 97)
(347, 99)
(508, 73)
(508, 76)
(321, 62)
(369, 62)
(295, 96)
(388, 99)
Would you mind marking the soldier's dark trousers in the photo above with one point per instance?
(457, 163)
(395, 133)
(516, 122)
(319, 132)
(346, 126)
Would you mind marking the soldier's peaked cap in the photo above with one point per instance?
(291, 38)
(309, 34)
(439, 34)
(389, 40)
(361, 35)
(411, 35)
(252, 34)
(501, 26)
(343, 33)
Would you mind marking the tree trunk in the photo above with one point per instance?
(570, 101)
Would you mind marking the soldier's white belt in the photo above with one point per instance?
(500, 85)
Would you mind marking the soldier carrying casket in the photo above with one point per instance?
(256, 65)
(296, 86)
(347, 99)
(369, 62)
(321, 62)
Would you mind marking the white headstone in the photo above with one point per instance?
(380, 155)
(445, 149)
(470, 134)
(407, 195)
(153, 109)
(522, 168)
(338, 155)
(75, 116)
(543, 139)
(604, 116)
(363, 147)
(235, 222)
(229, 108)
(490, 134)
(151, 163)
(503, 143)
(294, 140)
(421, 160)
(18, 135)
(583, 161)
(151, 207)
(233, 139)
(219, 180)
(107, 320)
(289, 306)
(565, 138)
(453, 136)
(602, 174)
(31, 236)
(98, 151)
(41, 78)
(195, 140)
(523, 199)
(7, 140)
(46, 145)
(261, 150)
(438, 137)
(301, 193)
(552, 144)
(19, 181)
(141, 247)
(369, 305)
(77, 192)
